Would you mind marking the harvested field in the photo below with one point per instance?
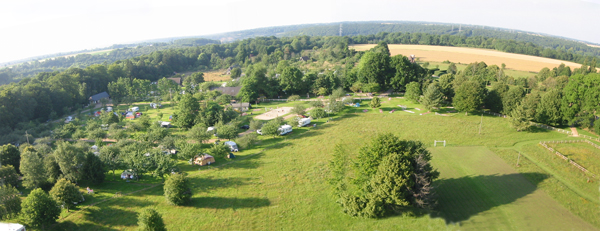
(217, 75)
(468, 55)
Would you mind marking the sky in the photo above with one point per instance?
(38, 27)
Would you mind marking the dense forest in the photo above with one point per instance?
(121, 52)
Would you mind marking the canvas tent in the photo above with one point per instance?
(203, 159)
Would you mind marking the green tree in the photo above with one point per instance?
(236, 73)
(111, 157)
(177, 190)
(150, 220)
(186, 112)
(51, 168)
(270, 128)
(392, 174)
(299, 109)
(405, 72)
(10, 202)
(549, 110)
(413, 92)
(193, 81)
(317, 113)
(32, 168)
(199, 133)
(219, 150)
(255, 125)
(65, 193)
(224, 99)
(293, 98)
(291, 80)
(162, 163)
(109, 118)
(71, 159)
(432, 96)
(375, 102)
(9, 154)
(39, 209)
(469, 97)
(511, 99)
(228, 131)
(446, 87)
(9, 175)
(518, 118)
(374, 67)
(93, 169)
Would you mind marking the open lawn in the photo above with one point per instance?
(282, 182)
(479, 191)
(469, 55)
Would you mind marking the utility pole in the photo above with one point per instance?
(27, 136)
(459, 28)
(518, 158)
(480, 123)
(340, 30)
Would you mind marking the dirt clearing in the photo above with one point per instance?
(274, 113)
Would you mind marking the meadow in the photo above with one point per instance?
(281, 183)
(428, 53)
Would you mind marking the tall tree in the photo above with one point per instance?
(413, 92)
(432, 96)
(177, 189)
(374, 67)
(518, 118)
(39, 209)
(187, 110)
(65, 193)
(291, 81)
(511, 99)
(469, 97)
(10, 202)
(9, 154)
(32, 168)
(71, 159)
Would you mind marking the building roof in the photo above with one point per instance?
(304, 58)
(176, 80)
(99, 96)
(236, 105)
(232, 91)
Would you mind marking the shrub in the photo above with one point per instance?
(39, 209)
(177, 190)
(247, 141)
(65, 193)
(293, 98)
(150, 220)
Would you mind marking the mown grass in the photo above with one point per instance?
(282, 182)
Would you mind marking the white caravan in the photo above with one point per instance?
(232, 146)
(303, 122)
(285, 129)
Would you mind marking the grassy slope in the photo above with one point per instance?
(282, 183)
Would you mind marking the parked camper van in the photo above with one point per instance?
(109, 109)
(68, 119)
(232, 146)
(134, 109)
(303, 122)
(285, 129)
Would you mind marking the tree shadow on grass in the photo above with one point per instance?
(461, 198)
(71, 226)
(229, 203)
(119, 212)
(250, 162)
(207, 184)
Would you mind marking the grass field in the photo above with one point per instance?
(583, 153)
(478, 190)
(469, 55)
(281, 183)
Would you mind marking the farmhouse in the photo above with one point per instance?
(244, 106)
(97, 97)
(232, 91)
(203, 159)
(231, 68)
(176, 80)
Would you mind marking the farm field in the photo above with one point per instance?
(216, 75)
(282, 182)
(468, 55)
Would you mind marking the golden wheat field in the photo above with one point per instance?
(468, 55)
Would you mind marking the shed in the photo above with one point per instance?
(304, 58)
(176, 80)
(232, 91)
(243, 106)
(203, 159)
(97, 97)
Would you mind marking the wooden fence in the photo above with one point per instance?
(544, 144)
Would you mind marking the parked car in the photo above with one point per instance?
(245, 127)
